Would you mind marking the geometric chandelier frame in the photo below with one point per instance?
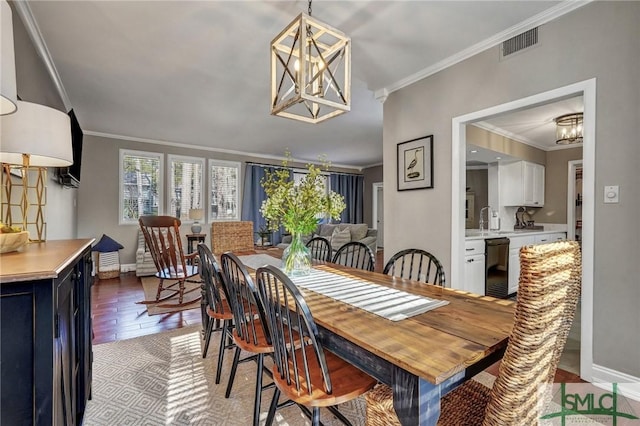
(310, 71)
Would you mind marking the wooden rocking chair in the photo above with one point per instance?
(162, 236)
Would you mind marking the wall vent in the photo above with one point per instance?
(519, 42)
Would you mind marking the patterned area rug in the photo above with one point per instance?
(150, 287)
(162, 379)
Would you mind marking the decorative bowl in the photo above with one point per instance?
(13, 241)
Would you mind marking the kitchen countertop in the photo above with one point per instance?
(475, 234)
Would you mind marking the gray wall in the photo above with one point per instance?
(556, 184)
(99, 191)
(600, 40)
(35, 85)
(477, 182)
(371, 175)
(498, 143)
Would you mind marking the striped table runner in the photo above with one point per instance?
(389, 303)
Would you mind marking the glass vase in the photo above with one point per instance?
(296, 258)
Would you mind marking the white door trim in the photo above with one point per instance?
(587, 89)
(375, 185)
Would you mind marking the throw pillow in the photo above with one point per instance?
(358, 231)
(107, 244)
(340, 238)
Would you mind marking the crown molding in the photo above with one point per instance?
(31, 25)
(518, 138)
(212, 149)
(541, 18)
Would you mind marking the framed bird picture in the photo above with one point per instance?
(415, 164)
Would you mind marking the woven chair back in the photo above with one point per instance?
(162, 237)
(231, 236)
(248, 312)
(355, 255)
(211, 276)
(416, 264)
(548, 293)
(298, 355)
(320, 248)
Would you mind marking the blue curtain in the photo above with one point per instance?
(252, 197)
(351, 187)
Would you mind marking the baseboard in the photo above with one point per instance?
(628, 385)
(127, 267)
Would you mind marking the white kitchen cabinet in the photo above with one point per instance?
(549, 238)
(474, 267)
(474, 273)
(522, 184)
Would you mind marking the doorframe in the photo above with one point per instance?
(587, 89)
(573, 165)
(374, 216)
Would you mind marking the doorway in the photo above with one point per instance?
(378, 212)
(587, 89)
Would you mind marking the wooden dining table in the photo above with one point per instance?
(422, 357)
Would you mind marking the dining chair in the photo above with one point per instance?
(217, 306)
(355, 255)
(231, 236)
(162, 237)
(550, 278)
(416, 264)
(303, 371)
(320, 248)
(250, 331)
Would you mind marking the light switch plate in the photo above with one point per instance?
(611, 194)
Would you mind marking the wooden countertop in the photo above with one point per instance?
(40, 260)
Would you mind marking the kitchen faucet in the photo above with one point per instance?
(482, 217)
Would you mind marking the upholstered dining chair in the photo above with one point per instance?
(355, 255)
(250, 331)
(320, 248)
(548, 293)
(162, 236)
(217, 307)
(231, 236)
(416, 264)
(303, 371)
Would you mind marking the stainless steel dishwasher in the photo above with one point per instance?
(497, 267)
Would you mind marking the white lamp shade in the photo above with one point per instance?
(42, 132)
(196, 214)
(8, 97)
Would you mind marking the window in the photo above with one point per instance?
(140, 185)
(224, 190)
(186, 185)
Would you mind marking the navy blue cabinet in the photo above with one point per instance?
(45, 334)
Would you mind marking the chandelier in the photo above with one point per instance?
(569, 129)
(310, 71)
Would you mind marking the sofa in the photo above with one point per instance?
(337, 235)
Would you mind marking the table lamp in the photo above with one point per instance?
(32, 138)
(196, 215)
(8, 93)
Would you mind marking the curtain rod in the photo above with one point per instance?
(298, 168)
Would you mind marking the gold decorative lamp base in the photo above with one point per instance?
(22, 202)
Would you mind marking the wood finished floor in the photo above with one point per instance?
(117, 316)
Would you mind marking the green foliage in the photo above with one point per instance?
(297, 207)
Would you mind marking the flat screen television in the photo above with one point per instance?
(70, 176)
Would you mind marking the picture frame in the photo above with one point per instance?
(415, 164)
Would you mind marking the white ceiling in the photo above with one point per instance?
(198, 72)
(533, 126)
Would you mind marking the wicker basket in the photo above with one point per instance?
(108, 265)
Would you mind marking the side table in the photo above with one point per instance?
(194, 238)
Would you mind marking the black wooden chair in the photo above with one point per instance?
(250, 332)
(416, 264)
(217, 305)
(320, 248)
(355, 255)
(303, 371)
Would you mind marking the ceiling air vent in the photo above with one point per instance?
(519, 42)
